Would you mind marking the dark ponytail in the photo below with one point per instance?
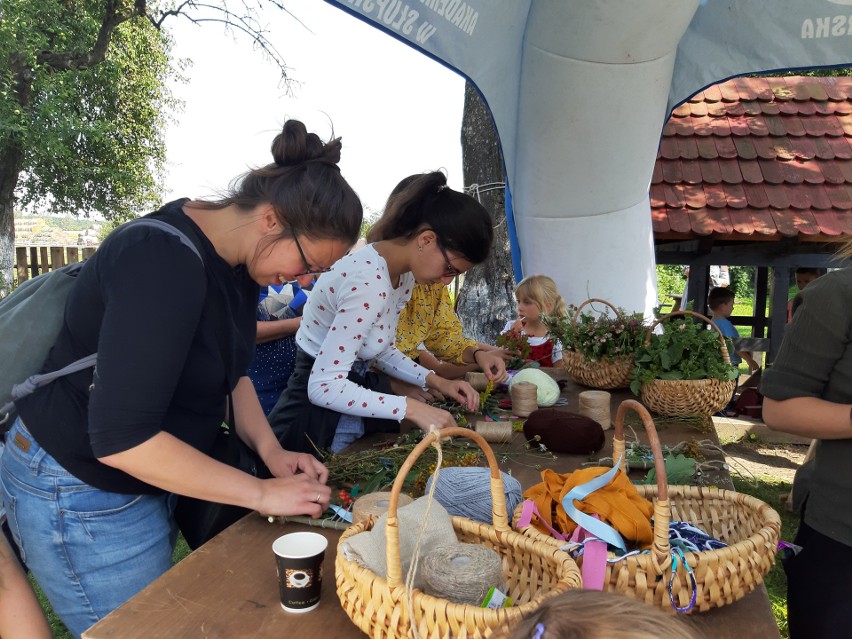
(425, 201)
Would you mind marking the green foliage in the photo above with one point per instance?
(92, 138)
(597, 335)
(742, 281)
(670, 279)
(685, 350)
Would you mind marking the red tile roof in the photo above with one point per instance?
(757, 158)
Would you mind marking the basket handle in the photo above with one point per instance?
(498, 495)
(589, 301)
(725, 355)
(662, 508)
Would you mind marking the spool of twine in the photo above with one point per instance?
(462, 573)
(524, 398)
(465, 491)
(375, 504)
(595, 404)
(478, 380)
(495, 432)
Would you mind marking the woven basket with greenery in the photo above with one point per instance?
(533, 570)
(598, 350)
(748, 526)
(685, 371)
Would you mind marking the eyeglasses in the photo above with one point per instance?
(451, 271)
(308, 269)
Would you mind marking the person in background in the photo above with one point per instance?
(537, 295)
(808, 392)
(275, 353)
(720, 276)
(721, 303)
(430, 333)
(95, 460)
(804, 276)
(341, 388)
(592, 614)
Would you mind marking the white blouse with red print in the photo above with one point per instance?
(352, 314)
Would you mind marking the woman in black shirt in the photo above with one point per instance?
(95, 459)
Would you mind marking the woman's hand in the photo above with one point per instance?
(456, 389)
(294, 495)
(285, 463)
(492, 364)
(426, 416)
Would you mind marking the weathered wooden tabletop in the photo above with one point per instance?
(228, 587)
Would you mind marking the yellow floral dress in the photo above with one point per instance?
(428, 321)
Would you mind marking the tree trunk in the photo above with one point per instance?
(487, 298)
(11, 160)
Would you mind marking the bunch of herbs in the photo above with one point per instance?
(685, 350)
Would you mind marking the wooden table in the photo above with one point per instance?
(228, 587)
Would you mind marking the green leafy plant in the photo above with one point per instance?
(596, 335)
(685, 350)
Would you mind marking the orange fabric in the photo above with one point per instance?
(618, 504)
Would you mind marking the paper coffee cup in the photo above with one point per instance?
(298, 559)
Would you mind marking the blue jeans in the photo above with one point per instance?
(90, 550)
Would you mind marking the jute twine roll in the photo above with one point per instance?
(374, 504)
(524, 398)
(595, 405)
(462, 573)
(495, 432)
(478, 380)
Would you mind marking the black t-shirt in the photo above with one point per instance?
(164, 325)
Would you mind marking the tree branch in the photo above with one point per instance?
(75, 60)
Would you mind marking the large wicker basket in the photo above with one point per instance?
(604, 373)
(684, 397)
(533, 570)
(749, 526)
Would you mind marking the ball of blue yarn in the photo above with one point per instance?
(466, 492)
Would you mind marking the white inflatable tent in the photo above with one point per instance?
(580, 90)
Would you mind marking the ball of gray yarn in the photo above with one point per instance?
(466, 492)
(462, 573)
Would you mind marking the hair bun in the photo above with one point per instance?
(295, 146)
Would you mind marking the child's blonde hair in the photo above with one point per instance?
(591, 614)
(542, 290)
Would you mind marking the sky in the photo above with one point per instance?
(397, 111)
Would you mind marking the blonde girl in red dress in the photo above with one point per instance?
(537, 295)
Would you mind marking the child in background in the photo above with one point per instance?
(537, 295)
(721, 303)
(591, 614)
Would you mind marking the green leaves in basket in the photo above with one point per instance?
(680, 470)
(685, 350)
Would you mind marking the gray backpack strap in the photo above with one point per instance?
(34, 382)
(168, 228)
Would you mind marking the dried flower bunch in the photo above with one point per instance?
(598, 334)
(519, 346)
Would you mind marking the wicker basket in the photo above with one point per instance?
(684, 397)
(749, 526)
(605, 373)
(533, 569)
